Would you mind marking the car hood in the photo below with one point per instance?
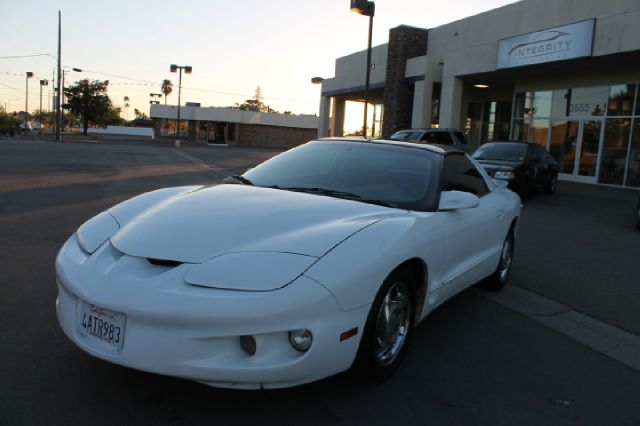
(216, 220)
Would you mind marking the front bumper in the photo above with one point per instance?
(181, 330)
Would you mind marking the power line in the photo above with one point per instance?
(27, 56)
(10, 87)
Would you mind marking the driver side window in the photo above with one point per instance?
(459, 174)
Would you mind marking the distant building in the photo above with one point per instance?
(562, 73)
(212, 125)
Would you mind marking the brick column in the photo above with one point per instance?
(404, 43)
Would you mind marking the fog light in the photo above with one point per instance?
(248, 344)
(300, 339)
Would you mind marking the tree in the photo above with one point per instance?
(139, 114)
(255, 103)
(9, 124)
(167, 88)
(89, 100)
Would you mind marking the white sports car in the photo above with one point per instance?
(322, 258)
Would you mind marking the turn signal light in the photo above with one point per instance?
(348, 334)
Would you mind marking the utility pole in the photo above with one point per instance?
(59, 86)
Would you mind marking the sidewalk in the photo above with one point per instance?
(586, 251)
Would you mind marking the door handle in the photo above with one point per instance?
(500, 213)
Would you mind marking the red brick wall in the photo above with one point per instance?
(272, 136)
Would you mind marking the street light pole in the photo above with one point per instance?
(42, 83)
(58, 86)
(366, 8)
(26, 98)
(187, 69)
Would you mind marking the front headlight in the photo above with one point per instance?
(249, 271)
(94, 232)
(501, 174)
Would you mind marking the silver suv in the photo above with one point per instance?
(450, 137)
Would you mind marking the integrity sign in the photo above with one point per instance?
(554, 44)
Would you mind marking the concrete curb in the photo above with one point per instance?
(606, 339)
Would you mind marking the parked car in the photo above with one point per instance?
(438, 136)
(320, 259)
(525, 166)
(25, 127)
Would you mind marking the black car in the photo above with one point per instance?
(438, 136)
(526, 166)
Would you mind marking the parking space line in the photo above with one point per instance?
(611, 341)
(211, 167)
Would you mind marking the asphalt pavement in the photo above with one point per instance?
(472, 362)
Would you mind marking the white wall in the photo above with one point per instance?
(350, 70)
(230, 115)
(124, 131)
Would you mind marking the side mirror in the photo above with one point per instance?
(454, 200)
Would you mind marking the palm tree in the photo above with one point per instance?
(126, 105)
(167, 88)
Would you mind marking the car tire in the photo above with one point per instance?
(499, 278)
(523, 188)
(552, 186)
(388, 329)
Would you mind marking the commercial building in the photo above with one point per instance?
(229, 126)
(561, 73)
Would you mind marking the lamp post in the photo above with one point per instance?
(26, 98)
(187, 69)
(154, 99)
(365, 8)
(42, 83)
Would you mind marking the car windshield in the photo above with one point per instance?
(387, 175)
(406, 135)
(501, 151)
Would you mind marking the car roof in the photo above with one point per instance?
(426, 147)
(513, 142)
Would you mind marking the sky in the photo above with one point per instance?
(233, 46)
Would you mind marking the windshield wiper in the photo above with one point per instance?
(237, 179)
(321, 191)
(339, 194)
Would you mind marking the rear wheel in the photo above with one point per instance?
(499, 278)
(388, 329)
(552, 186)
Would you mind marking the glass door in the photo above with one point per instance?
(576, 146)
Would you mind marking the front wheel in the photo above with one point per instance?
(388, 329)
(552, 186)
(499, 278)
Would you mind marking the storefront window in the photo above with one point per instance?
(564, 136)
(559, 103)
(614, 151)
(588, 101)
(621, 100)
(539, 131)
(539, 104)
(521, 130)
(633, 166)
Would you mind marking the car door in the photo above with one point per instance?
(474, 235)
(535, 166)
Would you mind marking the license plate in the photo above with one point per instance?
(103, 324)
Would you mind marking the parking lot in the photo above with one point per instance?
(474, 361)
